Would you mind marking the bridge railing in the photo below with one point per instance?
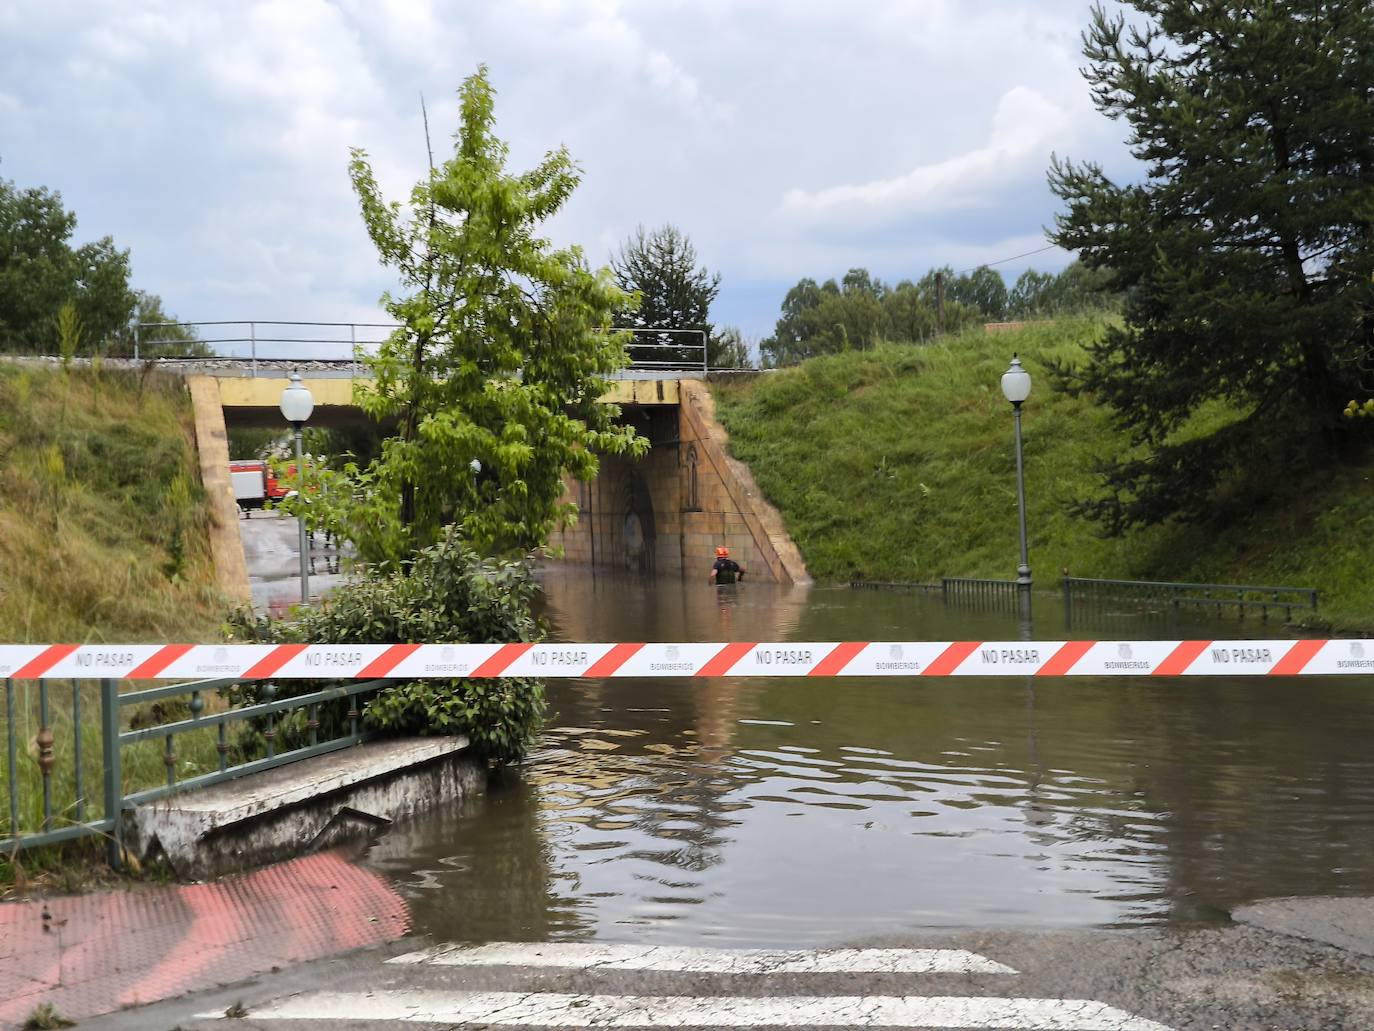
(266, 342)
(271, 343)
(669, 350)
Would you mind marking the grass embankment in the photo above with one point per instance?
(102, 519)
(102, 539)
(898, 464)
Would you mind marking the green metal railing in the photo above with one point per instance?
(48, 801)
(981, 594)
(1090, 598)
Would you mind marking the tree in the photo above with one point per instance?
(156, 341)
(494, 377)
(827, 319)
(674, 291)
(1077, 289)
(982, 288)
(1245, 252)
(855, 314)
(40, 271)
(729, 350)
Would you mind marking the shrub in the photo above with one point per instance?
(448, 595)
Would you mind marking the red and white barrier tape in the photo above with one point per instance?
(741, 659)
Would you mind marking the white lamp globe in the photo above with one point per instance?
(1016, 382)
(296, 401)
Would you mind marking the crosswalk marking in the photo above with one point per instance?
(504, 1009)
(587, 955)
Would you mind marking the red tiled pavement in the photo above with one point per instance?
(109, 950)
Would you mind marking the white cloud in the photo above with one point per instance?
(786, 137)
(1025, 128)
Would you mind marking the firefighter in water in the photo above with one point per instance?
(725, 570)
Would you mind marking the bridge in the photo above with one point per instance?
(662, 514)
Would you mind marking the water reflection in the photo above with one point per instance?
(787, 812)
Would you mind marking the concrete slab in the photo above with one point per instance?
(303, 806)
(1345, 923)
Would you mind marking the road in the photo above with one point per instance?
(1240, 976)
(271, 549)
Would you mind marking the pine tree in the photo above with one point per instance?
(1245, 251)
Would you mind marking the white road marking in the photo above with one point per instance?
(587, 955)
(503, 1009)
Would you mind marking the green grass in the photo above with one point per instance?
(102, 519)
(102, 539)
(899, 464)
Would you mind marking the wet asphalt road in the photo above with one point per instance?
(271, 549)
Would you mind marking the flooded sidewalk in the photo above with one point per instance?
(87, 955)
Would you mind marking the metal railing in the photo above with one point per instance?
(982, 594)
(668, 350)
(895, 585)
(1086, 598)
(273, 342)
(268, 341)
(62, 808)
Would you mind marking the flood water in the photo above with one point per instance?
(799, 813)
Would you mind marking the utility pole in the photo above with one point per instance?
(940, 303)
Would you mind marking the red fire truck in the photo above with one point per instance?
(255, 484)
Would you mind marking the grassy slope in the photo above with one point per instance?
(98, 492)
(898, 464)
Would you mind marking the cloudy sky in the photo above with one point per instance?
(787, 138)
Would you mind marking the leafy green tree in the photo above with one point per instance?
(40, 271)
(168, 340)
(674, 292)
(827, 319)
(494, 376)
(1245, 252)
(729, 349)
(1077, 289)
(910, 313)
(982, 289)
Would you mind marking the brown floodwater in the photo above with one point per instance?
(800, 813)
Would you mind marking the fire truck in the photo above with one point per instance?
(255, 484)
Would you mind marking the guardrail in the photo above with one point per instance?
(58, 806)
(1092, 597)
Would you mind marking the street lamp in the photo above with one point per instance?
(1016, 385)
(296, 406)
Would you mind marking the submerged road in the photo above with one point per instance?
(1232, 977)
(271, 550)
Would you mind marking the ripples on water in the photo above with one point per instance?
(788, 812)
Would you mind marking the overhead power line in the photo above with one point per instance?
(1003, 261)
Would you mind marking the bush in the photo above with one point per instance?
(448, 595)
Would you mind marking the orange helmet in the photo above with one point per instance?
(722, 552)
